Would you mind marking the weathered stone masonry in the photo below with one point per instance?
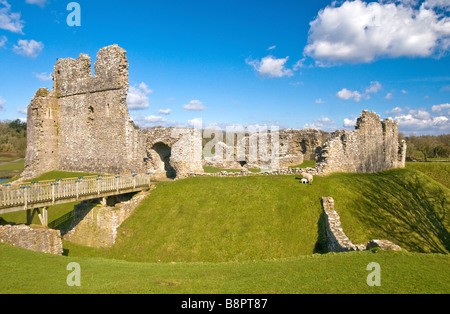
(83, 125)
(372, 147)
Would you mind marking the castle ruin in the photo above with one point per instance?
(83, 125)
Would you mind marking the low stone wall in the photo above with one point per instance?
(337, 241)
(96, 225)
(34, 238)
(246, 173)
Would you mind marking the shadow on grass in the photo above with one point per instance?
(321, 244)
(411, 213)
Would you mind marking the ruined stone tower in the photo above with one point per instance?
(83, 123)
(372, 147)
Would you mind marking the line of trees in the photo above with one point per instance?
(13, 137)
(426, 147)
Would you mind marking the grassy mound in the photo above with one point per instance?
(266, 217)
(439, 171)
(30, 272)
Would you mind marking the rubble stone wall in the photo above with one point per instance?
(34, 238)
(372, 147)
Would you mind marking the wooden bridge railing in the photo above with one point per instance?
(49, 192)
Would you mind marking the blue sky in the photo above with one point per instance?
(294, 64)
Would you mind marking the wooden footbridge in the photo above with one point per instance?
(38, 196)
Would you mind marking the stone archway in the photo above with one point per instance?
(160, 154)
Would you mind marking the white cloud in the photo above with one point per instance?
(197, 122)
(28, 48)
(441, 4)
(272, 47)
(357, 96)
(3, 41)
(137, 97)
(396, 110)
(360, 32)
(2, 102)
(155, 119)
(165, 112)
(44, 76)
(319, 101)
(421, 121)
(347, 94)
(271, 67)
(23, 111)
(374, 88)
(350, 123)
(388, 96)
(404, 92)
(40, 3)
(324, 124)
(10, 21)
(440, 108)
(194, 105)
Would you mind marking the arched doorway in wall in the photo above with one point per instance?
(160, 159)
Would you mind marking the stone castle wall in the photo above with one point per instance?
(372, 147)
(337, 240)
(83, 125)
(34, 238)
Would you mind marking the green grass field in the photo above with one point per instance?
(29, 272)
(439, 171)
(257, 235)
(10, 167)
(265, 217)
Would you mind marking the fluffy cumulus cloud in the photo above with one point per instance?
(137, 98)
(362, 32)
(347, 94)
(350, 123)
(422, 121)
(194, 105)
(10, 21)
(271, 67)
(28, 48)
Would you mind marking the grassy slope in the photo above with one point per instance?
(439, 171)
(29, 272)
(256, 218)
(9, 169)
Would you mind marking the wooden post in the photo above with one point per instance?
(43, 217)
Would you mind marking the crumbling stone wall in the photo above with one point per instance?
(83, 124)
(372, 147)
(337, 240)
(34, 238)
(96, 225)
(173, 152)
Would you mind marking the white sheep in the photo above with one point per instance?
(304, 181)
(308, 177)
